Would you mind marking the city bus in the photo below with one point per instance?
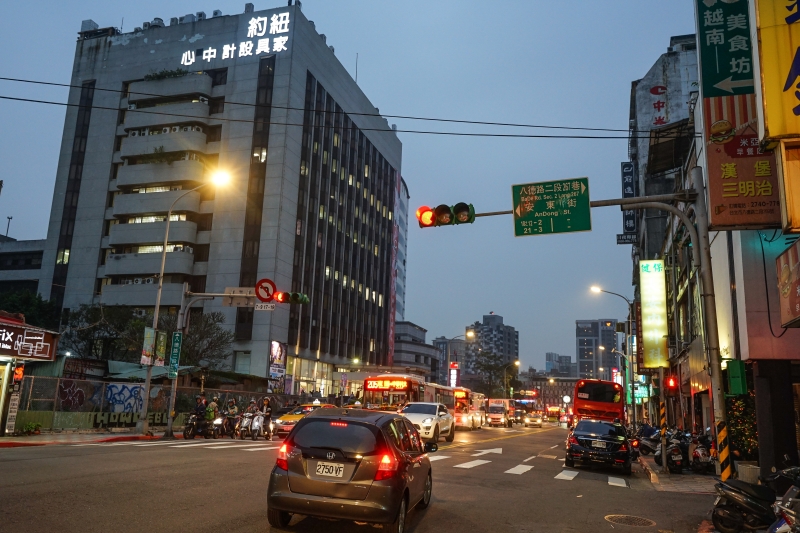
(598, 399)
(470, 410)
(389, 392)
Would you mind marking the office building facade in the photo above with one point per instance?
(595, 342)
(493, 336)
(315, 182)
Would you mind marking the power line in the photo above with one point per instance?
(450, 133)
(377, 115)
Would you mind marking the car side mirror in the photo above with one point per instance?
(431, 447)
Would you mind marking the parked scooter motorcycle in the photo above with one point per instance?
(196, 426)
(259, 426)
(741, 505)
(649, 437)
(703, 460)
(674, 455)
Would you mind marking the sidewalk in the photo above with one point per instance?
(73, 438)
(686, 482)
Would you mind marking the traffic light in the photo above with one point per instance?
(19, 373)
(445, 215)
(291, 298)
(671, 385)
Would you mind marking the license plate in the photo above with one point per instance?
(677, 457)
(330, 469)
(598, 444)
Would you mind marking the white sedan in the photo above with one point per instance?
(432, 420)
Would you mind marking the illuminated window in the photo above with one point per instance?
(63, 257)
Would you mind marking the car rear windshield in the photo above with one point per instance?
(599, 392)
(420, 408)
(496, 409)
(605, 429)
(341, 435)
(303, 409)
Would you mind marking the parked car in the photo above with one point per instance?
(285, 423)
(600, 442)
(351, 464)
(432, 420)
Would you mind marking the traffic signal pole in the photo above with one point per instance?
(701, 256)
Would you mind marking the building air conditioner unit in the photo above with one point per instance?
(203, 100)
(175, 129)
(131, 107)
(201, 15)
(145, 25)
(133, 133)
(165, 129)
(186, 128)
(157, 23)
(148, 281)
(216, 13)
(137, 281)
(198, 128)
(173, 21)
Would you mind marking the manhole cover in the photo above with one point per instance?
(627, 520)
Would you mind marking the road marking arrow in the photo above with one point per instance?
(484, 452)
(729, 85)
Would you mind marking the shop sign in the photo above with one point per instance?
(654, 313)
(25, 342)
(778, 30)
(265, 35)
(788, 266)
(742, 177)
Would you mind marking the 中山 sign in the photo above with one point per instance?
(653, 289)
(551, 207)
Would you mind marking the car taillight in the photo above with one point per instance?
(634, 443)
(623, 447)
(573, 440)
(283, 455)
(387, 468)
(339, 424)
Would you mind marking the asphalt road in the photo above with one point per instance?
(220, 486)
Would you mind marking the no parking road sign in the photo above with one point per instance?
(265, 290)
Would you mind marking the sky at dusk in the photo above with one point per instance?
(539, 62)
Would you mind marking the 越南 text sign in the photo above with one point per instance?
(551, 207)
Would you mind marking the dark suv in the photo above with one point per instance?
(600, 442)
(351, 464)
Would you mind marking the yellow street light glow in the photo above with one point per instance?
(470, 333)
(355, 361)
(595, 288)
(220, 178)
(552, 380)
(602, 347)
(516, 363)
(600, 369)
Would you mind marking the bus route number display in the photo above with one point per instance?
(386, 384)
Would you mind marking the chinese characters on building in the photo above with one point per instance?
(258, 30)
(726, 51)
(629, 190)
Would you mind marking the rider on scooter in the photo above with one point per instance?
(200, 411)
(233, 413)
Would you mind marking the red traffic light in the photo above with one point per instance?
(426, 217)
(671, 382)
(281, 297)
(19, 373)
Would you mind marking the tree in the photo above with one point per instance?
(490, 366)
(117, 334)
(38, 312)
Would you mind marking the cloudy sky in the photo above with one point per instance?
(540, 62)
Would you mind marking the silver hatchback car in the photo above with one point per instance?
(351, 464)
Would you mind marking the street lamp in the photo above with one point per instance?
(598, 290)
(218, 179)
(505, 377)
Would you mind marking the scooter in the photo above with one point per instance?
(196, 426)
(675, 460)
(741, 505)
(259, 426)
(703, 460)
(243, 428)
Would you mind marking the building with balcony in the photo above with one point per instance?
(412, 354)
(492, 336)
(316, 202)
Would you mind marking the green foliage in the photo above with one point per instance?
(741, 411)
(38, 312)
(208, 341)
(497, 375)
(165, 73)
(30, 427)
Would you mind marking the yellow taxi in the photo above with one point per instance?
(284, 424)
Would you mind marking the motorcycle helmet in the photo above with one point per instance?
(253, 401)
(231, 400)
(216, 398)
(198, 397)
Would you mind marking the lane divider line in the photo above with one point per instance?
(529, 458)
(567, 475)
(617, 482)
(472, 464)
(519, 469)
(438, 457)
(260, 448)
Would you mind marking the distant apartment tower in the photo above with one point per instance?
(493, 336)
(312, 204)
(591, 336)
(413, 354)
(458, 354)
(560, 365)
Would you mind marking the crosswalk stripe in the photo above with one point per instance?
(438, 457)
(568, 475)
(190, 445)
(519, 469)
(156, 443)
(556, 446)
(260, 448)
(472, 464)
(617, 482)
(529, 458)
(227, 446)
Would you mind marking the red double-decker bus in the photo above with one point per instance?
(598, 399)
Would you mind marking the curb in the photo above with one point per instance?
(126, 438)
(650, 473)
(20, 444)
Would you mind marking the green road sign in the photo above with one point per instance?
(551, 207)
(175, 354)
(725, 48)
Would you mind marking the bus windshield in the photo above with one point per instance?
(599, 392)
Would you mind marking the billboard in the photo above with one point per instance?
(788, 267)
(653, 288)
(778, 29)
(148, 347)
(20, 341)
(742, 177)
(630, 189)
(277, 359)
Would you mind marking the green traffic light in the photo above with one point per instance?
(443, 215)
(463, 213)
